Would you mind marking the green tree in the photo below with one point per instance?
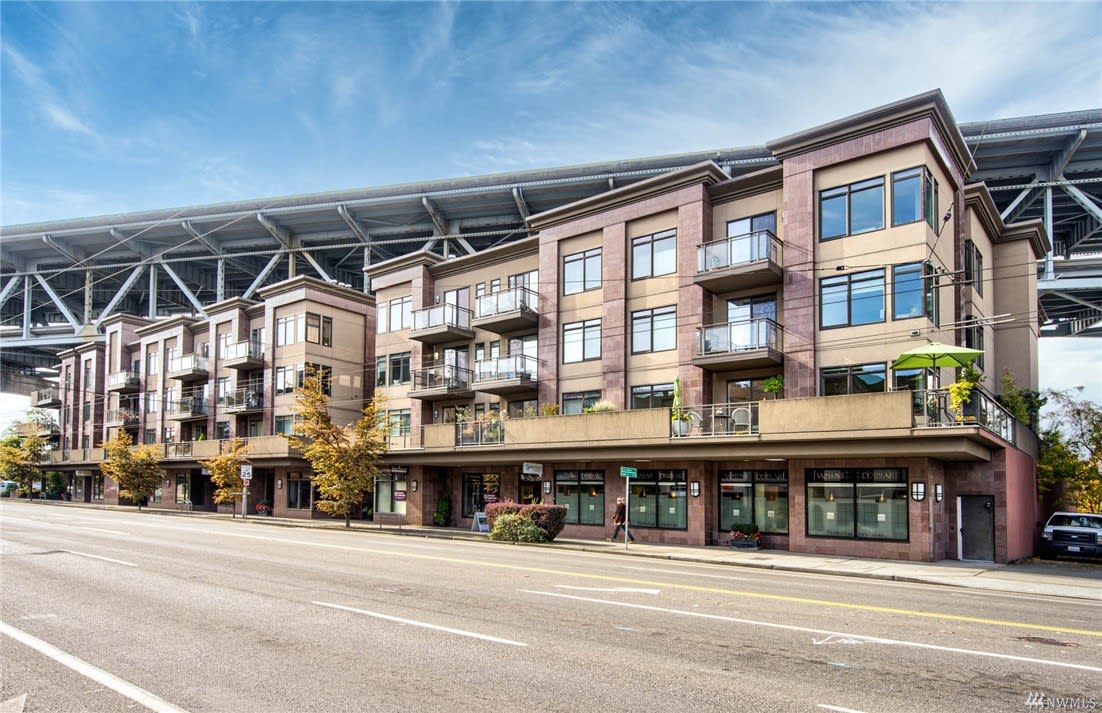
(1013, 398)
(1071, 450)
(345, 459)
(225, 471)
(137, 471)
(20, 457)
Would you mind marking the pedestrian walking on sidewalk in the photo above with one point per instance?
(618, 519)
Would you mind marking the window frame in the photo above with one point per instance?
(654, 395)
(852, 479)
(651, 323)
(675, 487)
(590, 261)
(648, 244)
(921, 297)
(584, 329)
(749, 481)
(579, 479)
(851, 373)
(847, 193)
(584, 399)
(849, 279)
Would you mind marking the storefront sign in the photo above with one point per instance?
(479, 523)
(399, 470)
(535, 469)
(399, 495)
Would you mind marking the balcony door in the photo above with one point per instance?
(745, 320)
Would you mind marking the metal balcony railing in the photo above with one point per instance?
(739, 250)
(931, 410)
(744, 335)
(517, 366)
(121, 417)
(506, 301)
(249, 397)
(726, 419)
(186, 407)
(445, 315)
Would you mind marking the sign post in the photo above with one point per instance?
(246, 478)
(627, 472)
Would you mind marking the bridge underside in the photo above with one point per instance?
(59, 281)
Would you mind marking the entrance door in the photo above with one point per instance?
(976, 523)
(530, 492)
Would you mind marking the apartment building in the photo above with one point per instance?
(187, 385)
(545, 369)
(771, 305)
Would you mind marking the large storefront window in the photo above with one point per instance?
(754, 496)
(479, 489)
(390, 490)
(857, 503)
(299, 490)
(659, 499)
(582, 492)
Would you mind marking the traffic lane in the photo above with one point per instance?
(449, 607)
(946, 624)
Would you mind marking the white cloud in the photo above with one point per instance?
(1068, 363)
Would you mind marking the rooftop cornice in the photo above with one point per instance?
(756, 183)
(706, 172)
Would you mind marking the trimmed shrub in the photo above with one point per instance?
(495, 510)
(514, 527)
(549, 518)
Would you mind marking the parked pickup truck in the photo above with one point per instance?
(1075, 534)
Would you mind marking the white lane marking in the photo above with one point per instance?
(29, 617)
(639, 590)
(807, 630)
(836, 640)
(14, 705)
(97, 557)
(138, 695)
(51, 523)
(425, 625)
(839, 709)
(672, 572)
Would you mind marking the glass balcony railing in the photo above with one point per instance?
(243, 399)
(122, 379)
(480, 432)
(744, 335)
(511, 300)
(443, 376)
(445, 315)
(188, 362)
(121, 417)
(253, 351)
(187, 407)
(517, 366)
(739, 250)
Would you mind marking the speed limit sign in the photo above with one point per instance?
(246, 472)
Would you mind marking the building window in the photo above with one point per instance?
(322, 372)
(974, 338)
(581, 271)
(223, 389)
(652, 396)
(152, 363)
(398, 421)
(581, 341)
(284, 425)
(380, 371)
(582, 493)
(579, 401)
(855, 379)
(908, 294)
(847, 300)
(221, 430)
(399, 368)
(523, 408)
(654, 330)
(399, 313)
(653, 255)
(285, 330)
(150, 436)
(528, 279)
(299, 491)
(851, 210)
(857, 503)
(284, 379)
(225, 341)
(85, 442)
(319, 329)
(659, 499)
(86, 411)
(973, 266)
(152, 403)
(758, 497)
(929, 284)
(479, 489)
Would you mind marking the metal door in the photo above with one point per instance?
(976, 524)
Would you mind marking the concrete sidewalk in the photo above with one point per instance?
(1080, 580)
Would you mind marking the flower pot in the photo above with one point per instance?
(745, 544)
(681, 428)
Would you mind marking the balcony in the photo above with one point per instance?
(441, 323)
(439, 383)
(742, 261)
(187, 409)
(245, 400)
(121, 418)
(191, 367)
(507, 311)
(244, 355)
(123, 382)
(506, 376)
(931, 410)
(479, 432)
(727, 419)
(739, 345)
(46, 398)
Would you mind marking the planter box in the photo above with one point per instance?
(745, 544)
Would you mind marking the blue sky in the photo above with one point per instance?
(112, 107)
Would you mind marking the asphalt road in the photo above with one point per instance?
(120, 611)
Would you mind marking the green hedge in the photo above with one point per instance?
(513, 527)
(550, 519)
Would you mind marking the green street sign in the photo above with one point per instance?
(628, 472)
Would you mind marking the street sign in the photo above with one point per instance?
(628, 472)
(246, 472)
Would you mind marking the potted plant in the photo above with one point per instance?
(745, 535)
(960, 391)
(679, 417)
(443, 515)
(264, 507)
(774, 385)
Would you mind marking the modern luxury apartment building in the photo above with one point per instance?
(863, 242)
